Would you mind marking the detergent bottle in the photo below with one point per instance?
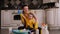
(44, 29)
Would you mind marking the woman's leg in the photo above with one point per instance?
(39, 30)
(32, 31)
(21, 27)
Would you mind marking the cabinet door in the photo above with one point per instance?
(58, 17)
(50, 17)
(53, 17)
(6, 15)
(53, 0)
(2, 18)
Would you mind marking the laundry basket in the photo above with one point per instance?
(19, 32)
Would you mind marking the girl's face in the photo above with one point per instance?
(25, 9)
(30, 16)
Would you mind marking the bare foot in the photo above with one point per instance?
(32, 32)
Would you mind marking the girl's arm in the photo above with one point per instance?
(33, 16)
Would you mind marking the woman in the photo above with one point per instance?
(30, 24)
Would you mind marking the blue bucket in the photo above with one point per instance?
(18, 32)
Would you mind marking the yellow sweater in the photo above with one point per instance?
(29, 22)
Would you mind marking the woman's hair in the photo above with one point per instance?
(24, 6)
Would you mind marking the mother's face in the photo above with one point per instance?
(25, 9)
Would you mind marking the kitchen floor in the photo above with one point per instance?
(50, 32)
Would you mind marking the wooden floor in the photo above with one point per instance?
(54, 32)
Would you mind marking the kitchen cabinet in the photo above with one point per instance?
(48, 1)
(58, 17)
(53, 18)
(7, 18)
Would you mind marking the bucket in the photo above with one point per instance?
(19, 32)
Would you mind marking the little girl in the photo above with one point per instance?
(32, 21)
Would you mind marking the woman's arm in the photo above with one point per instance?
(22, 20)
